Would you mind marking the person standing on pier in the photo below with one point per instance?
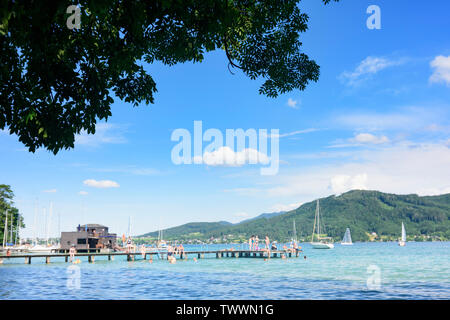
(129, 244)
(72, 252)
(267, 243)
(143, 250)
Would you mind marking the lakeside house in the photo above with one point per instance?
(88, 237)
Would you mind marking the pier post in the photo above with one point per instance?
(91, 259)
(240, 254)
(290, 254)
(254, 255)
(261, 254)
(199, 255)
(274, 254)
(47, 260)
(109, 257)
(145, 256)
(28, 260)
(128, 257)
(217, 255)
(233, 255)
(66, 258)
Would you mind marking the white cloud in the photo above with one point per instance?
(343, 183)
(367, 138)
(105, 133)
(133, 170)
(225, 156)
(289, 134)
(241, 214)
(402, 168)
(292, 103)
(101, 183)
(50, 191)
(285, 207)
(441, 72)
(369, 66)
(410, 118)
(83, 193)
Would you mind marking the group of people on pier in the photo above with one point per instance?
(253, 245)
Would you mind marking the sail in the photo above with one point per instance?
(347, 237)
(403, 233)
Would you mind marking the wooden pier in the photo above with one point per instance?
(131, 256)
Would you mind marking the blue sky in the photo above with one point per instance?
(377, 119)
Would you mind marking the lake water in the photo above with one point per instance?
(417, 271)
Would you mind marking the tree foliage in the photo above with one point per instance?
(7, 207)
(57, 82)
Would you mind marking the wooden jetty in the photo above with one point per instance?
(161, 255)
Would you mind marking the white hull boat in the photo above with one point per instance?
(322, 245)
(402, 242)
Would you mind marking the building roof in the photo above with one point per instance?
(93, 225)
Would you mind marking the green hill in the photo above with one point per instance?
(363, 212)
(189, 230)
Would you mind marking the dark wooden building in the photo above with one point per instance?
(88, 237)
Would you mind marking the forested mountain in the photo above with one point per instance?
(364, 212)
(190, 228)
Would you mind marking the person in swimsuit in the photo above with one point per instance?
(274, 246)
(72, 252)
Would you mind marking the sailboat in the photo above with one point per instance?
(47, 248)
(161, 244)
(402, 242)
(294, 241)
(347, 240)
(321, 243)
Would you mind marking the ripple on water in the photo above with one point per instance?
(417, 271)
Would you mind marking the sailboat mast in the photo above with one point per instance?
(295, 231)
(49, 221)
(315, 218)
(5, 231)
(11, 231)
(17, 228)
(318, 220)
(35, 223)
(45, 224)
(129, 226)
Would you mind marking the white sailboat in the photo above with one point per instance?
(402, 242)
(347, 240)
(321, 243)
(161, 244)
(47, 248)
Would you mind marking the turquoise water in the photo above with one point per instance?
(418, 271)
